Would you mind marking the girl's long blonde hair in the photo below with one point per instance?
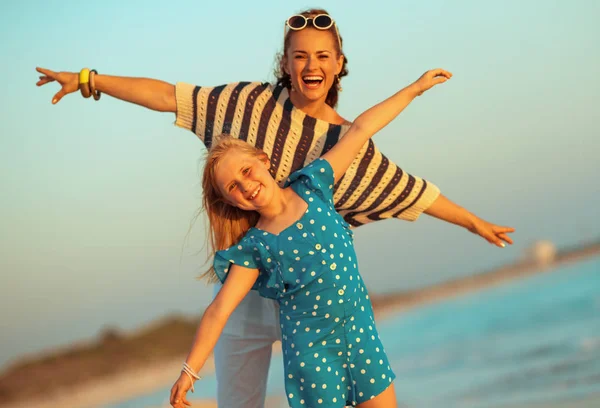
(227, 224)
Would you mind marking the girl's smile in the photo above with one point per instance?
(245, 181)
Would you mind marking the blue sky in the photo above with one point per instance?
(98, 196)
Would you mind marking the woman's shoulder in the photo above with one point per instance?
(332, 116)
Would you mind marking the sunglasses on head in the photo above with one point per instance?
(320, 22)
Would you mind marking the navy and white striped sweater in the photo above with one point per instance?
(373, 187)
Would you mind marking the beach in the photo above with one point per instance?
(127, 384)
(160, 374)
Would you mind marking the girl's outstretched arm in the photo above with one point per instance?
(371, 121)
(149, 93)
(237, 285)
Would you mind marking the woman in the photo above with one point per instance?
(294, 122)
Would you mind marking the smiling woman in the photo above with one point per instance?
(312, 64)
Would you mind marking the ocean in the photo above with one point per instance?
(530, 341)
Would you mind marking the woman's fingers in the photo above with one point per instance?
(504, 230)
(58, 96)
(502, 233)
(48, 76)
(494, 240)
(505, 238)
(44, 80)
(46, 72)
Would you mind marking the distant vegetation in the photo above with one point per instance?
(112, 352)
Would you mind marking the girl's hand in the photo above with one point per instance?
(69, 82)
(431, 78)
(494, 234)
(179, 391)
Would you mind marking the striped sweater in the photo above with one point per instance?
(373, 187)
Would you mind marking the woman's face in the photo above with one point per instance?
(312, 63)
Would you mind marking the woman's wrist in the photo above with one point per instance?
(470, 220)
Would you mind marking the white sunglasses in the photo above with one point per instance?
(320, 22)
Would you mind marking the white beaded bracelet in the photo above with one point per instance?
(190, 373)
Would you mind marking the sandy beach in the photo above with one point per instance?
(140, 380)
(127, 385)
(116, 388)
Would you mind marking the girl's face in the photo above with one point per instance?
(244, 180)
(312, 63)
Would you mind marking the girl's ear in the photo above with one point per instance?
(264, 158)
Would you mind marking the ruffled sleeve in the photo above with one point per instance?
(318, 177)
(250, 253)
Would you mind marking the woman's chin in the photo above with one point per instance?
(313, 95)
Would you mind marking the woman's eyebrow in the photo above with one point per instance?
(305, 52)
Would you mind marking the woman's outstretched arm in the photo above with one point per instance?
(446, 210)
(149, 93)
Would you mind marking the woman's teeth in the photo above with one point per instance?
(312, 80)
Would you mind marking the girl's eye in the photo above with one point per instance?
(323, 56)
(246, 171)
(231, 187)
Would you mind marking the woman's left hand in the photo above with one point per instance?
(492, 233)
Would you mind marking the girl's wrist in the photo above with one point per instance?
(415, 89)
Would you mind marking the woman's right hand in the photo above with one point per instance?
(179, 390)
(69, 82)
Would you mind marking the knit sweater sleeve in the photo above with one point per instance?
(184, 94)
(375, 188)
(211, 111)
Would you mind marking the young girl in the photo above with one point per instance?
(294, 247)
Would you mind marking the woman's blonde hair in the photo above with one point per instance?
(227, 224)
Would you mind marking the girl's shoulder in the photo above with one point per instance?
(317, 177)
(254, 253)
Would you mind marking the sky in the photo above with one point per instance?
(98, 197)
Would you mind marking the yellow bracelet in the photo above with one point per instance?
(96, 94)
(84, 82)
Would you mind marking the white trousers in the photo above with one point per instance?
(243, 352)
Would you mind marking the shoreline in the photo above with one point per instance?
(141, 379)
(399, 302)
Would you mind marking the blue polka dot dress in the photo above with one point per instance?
(332, 353)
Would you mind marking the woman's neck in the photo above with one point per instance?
(317, 109)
